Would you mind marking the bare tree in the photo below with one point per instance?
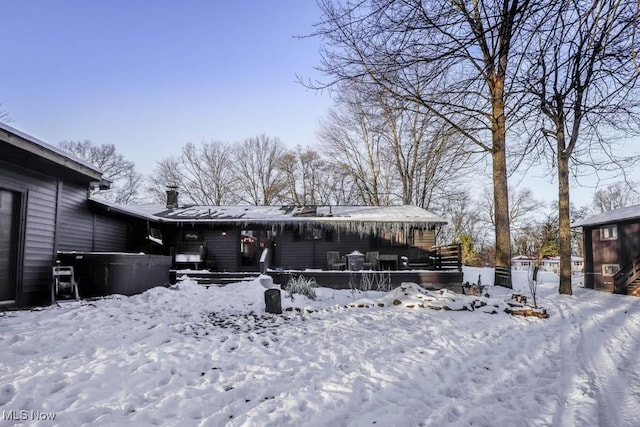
(583, 78)
(289, 166)
(395, 151)
(167, 173)
(428, 156)
(522, 207)
(464, 215)
(204, 174)
(339, 188)
(616, 195)
(260, 180)
(125, 180)
(307, 177)
(525, 239)
(449, 57)
(209, 173)
(350, 136)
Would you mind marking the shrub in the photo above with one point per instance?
(301, 285)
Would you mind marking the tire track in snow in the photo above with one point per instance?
(598, 366)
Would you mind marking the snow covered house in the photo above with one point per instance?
(612, 250)
(232, 238)
(552, 263)
(47, 216)
(44, 210)
(523, 262)
(254, 239)
(548, 263)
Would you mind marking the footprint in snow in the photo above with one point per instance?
(6, 393)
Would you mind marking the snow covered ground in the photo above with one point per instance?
(213, 357)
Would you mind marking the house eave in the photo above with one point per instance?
(41, 149)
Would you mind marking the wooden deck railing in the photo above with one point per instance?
(626, 276)
(448, 257)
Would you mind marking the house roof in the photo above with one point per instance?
(30, 144)
(523, 258)
(342, 216)
(615, 215)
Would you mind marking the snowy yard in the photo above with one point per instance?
(213, 357)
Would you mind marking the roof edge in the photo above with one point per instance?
(40, 148)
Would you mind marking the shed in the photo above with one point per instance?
(612, 250)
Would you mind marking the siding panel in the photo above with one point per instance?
(75, 232)
(110, 235)
(224, 250)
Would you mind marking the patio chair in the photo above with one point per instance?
(64, 284)
(334, 262)
(371, 260)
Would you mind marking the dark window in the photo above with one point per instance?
(9, 217)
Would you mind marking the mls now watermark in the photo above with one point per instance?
(28, 416)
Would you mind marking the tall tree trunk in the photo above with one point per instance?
(564, 219)
(501, 196)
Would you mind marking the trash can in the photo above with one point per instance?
(355, 261)
(273, 301)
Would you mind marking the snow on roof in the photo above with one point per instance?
(523, 258)
(52, 149)
(143, 212)
(303, 213)
(615, 215)
(279, 214)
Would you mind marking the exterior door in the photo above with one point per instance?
(8, 234)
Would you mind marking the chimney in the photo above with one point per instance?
(172, 197)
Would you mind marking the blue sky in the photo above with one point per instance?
(149, 76)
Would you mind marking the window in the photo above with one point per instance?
(191, 235)
(610, 269)
(609, 232)
(155, 235)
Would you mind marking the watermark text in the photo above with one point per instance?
(24, 415)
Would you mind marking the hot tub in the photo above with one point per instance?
(106, 273)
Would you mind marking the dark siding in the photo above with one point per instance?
(290, 250)
(605, 252)
(75, 230)
(38, 245)
(295, 253)
(223, 249)
(587, 250)
(110, 234)
(629, 243)
(620, 251)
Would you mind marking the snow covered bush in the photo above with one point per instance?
(301, 285)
